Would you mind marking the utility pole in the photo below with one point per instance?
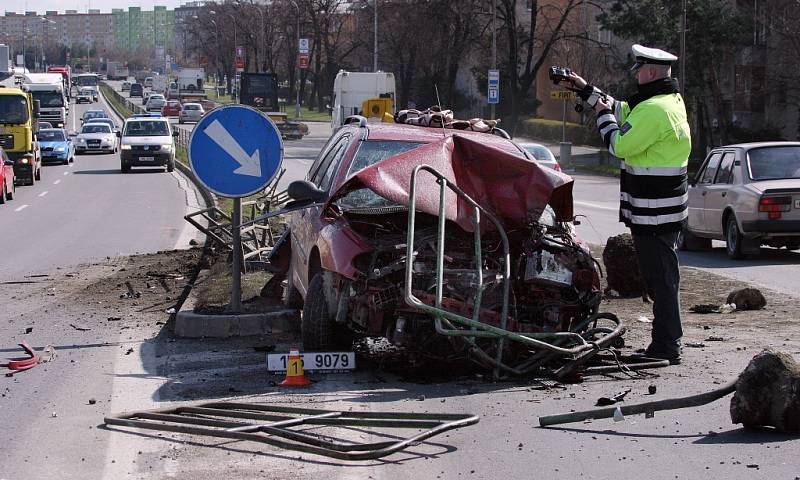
(375, 46)
(494, 47)
(682, 60)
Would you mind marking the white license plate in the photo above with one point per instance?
(147, 159)
(797, 204)
(321, 361)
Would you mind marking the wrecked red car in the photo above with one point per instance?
(509, 287)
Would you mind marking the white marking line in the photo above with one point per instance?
(19, 209)
(596, 205)
(57, 182)
(42, 194)
(66, 173)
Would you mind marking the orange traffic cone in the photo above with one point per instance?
(295, 377)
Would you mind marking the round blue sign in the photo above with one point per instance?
(235, 150)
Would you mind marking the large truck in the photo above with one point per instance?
(352, 89)
(66, 72)
(48, 89)
(89, 80)
(5, 62)
(260, 91)
(19, 117)
(116, 71)
(188, 85)
(159, 84)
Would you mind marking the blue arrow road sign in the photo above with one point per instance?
(235, 151)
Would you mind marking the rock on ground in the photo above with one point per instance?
(622, 266)
(747, 299)
(768, 393)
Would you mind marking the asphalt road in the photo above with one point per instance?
(88, 211)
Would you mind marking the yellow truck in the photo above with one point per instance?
(18, 126)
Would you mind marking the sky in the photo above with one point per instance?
(82, 5)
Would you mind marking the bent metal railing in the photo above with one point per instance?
(456, 325)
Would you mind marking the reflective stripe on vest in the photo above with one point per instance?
(654, 202)
(653, 171)
(654, 219)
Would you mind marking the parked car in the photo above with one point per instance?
(147, 141)
(85, 95)
(154, 102)
(171, 109)
(7, 184)
(137, 90)
(96, 137)
(747, 195)
(344, 251)
(191, 112)
(91, 114)
(43, 125)
(541, 154)
(56, 146)
(126, 86)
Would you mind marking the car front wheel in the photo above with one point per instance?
(320, 332)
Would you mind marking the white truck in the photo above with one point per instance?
(351, 89)
(49, 90)
(159, 84)
(188, 85)
(116, 71)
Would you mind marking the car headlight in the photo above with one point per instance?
(81, 140)
(166, 146)
(125, 147)
(60, 149)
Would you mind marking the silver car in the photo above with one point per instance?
(747, 195)
(191, 112)
(154, 102)
(96, 137)
(542, 154)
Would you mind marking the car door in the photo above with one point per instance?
(306, 222)
(716, 198)
(698, 192)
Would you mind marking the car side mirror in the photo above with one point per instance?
(118, 133)
(303, 190)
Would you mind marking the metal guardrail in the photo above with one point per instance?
(135, 109)
(257, 235)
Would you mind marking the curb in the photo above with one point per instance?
(193, 325)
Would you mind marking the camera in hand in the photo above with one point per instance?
(559, 74)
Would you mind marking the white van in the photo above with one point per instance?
(351, 89)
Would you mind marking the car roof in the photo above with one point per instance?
(751, 145)
(414, 133)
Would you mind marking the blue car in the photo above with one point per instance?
(56, 146)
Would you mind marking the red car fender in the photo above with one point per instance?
(338, 245)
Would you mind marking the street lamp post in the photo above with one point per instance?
(262, 37)
(216, 55)
(375, 45)
(297, 89)
(233, 19)
(494, 47)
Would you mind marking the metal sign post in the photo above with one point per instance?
(493, 94)
(565, 148)
(236, 151)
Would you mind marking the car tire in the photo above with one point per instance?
(171, 165)
(10, 195)
(291, 296)
(319, 332)
(3, 194)
(733, 239)
(38, 177)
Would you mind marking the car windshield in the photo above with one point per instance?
(156, 97)
(370, 153)
(189, 106)
(103, 121)
(50, 136)
(93, 114)
(539, 152)
(49, 99)
(772, 163)
(146, 128)
(96, 128)
(13, 109)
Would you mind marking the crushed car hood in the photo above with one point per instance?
(516, 190)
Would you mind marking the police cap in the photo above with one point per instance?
(654, 56)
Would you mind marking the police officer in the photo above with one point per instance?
(650, 134)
